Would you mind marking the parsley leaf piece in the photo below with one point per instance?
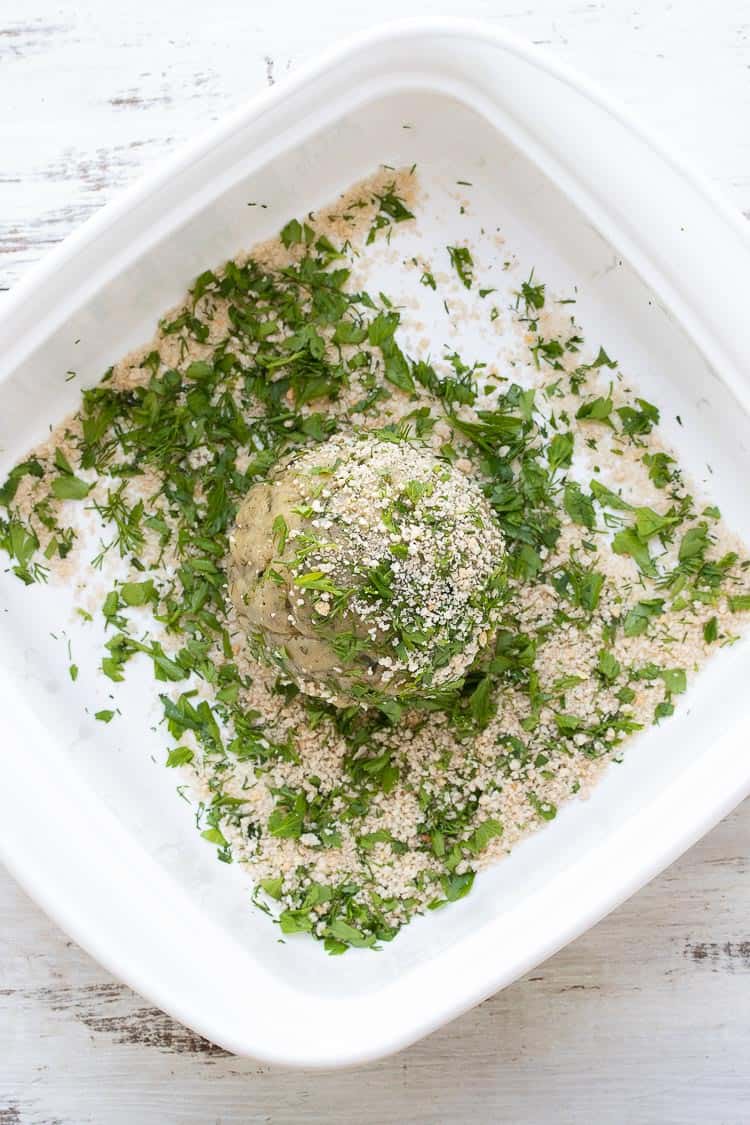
(391, 209)
(638, 422)
(292, 234)
(31, 467)
(138, 593)
(560, 451)
(463, 264)
(603, 360)
(488, 830)
(582, 586)
(286, 823)
(607, 665)
(544, 809)
(481, 704)
(628, 542)
(180, 756)
(456, 887)
(273, 887)
(609, 499)
(280, 530)
(649, 523)
(214, 836)
(579, 506)
(638, 618)
(393, 206)
(693, 545)
(532, 296)
(658, 468)
(343, 932)
(69, 487)
(675, 680)
(595, 410)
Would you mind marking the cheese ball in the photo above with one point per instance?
(367, 569)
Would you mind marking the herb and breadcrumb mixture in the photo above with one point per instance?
(398, 608)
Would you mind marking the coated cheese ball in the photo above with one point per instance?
(367, 569)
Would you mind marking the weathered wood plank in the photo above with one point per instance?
(92, 94)
(644, 1018)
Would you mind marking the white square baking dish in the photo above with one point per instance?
(91, 826)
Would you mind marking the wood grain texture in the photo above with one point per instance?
(644, 1019)
(647, 1017)
(93, 93)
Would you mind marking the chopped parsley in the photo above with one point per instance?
(162, 462)
(463, 264)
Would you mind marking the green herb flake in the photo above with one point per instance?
(181, 756)
(138, 593)
(463, 264)
(638, 619)
(70, 487)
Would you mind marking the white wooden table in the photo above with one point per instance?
(644, 1019)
